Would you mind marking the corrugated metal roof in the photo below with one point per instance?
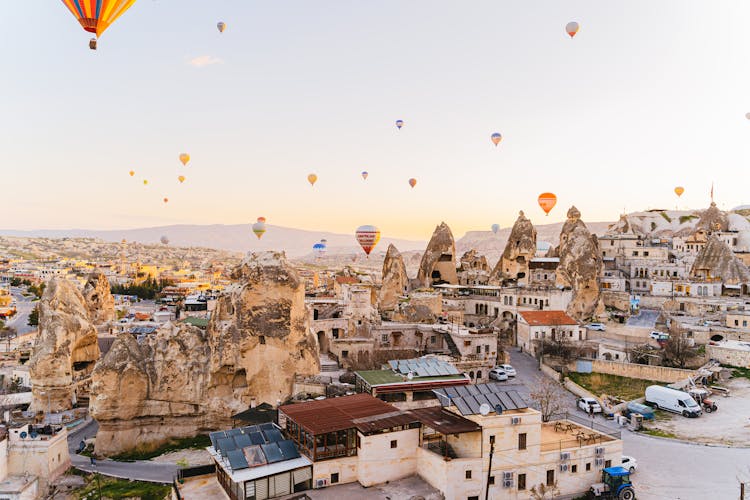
(385, 421)
(444, 421)
(335, 414)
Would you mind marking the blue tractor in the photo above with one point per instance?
(615, 484)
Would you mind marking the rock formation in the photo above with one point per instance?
(580, 267)
(99, 301)
(395, 281)
(716, 260)
(438, 263)
(519, 250)
(65, 350)
(713, 219)
(421, 307)
(182, 381)
(473, 269)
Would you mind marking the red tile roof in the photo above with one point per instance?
(346, 280)
(547, 318)
(336, 414)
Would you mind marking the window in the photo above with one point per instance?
(479, 349)
(394, 443)
(479, 374)
(551, 477)
(475, 497)
(334, 478)
(344, 354)
(471, 375)
(384, 337)
(262, 339)
(607, 463)
(588, 466)
(487, 346)
(468, 474)
(522, 441)
(522, 481)
(635, 253)
(574, 469)
(645, 254)
(492, 480)
(433, 339)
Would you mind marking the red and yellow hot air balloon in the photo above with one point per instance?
(547, 201)
(96, 16)
(679, 190)
(312, 179)
(412, 182)
(367, 237)
(572, 28)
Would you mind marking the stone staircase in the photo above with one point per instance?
(452, 345)
(327, 364)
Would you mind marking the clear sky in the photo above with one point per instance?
(648, 95)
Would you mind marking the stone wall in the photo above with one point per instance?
(727, 356)
(642, 372)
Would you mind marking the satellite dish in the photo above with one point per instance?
(484, 409)
(499, 409)
(23, 435)
(33, 435)
(410, 375)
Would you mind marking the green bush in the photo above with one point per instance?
(193, 443)
(666, 217)
(121, 488)
(687, 218)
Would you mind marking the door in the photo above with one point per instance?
(261, 488)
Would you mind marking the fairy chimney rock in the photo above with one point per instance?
(438, 263)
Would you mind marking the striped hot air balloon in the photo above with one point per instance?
(367, 237)
(96, 16)
(547, 201)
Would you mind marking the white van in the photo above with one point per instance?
(672, 400)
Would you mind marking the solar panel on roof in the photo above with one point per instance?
(462, 406)
(254, 456)
(473, 404)
(393, 364)
(288, 450)
(234, 432)
(432, 371)
(473, 390)
(273, 435)
(237, 460)
(267, 425)
(250, 428)
(452, 392)
(257, 438)
(484, 389)
(517, 399)
(507, 403)
(214, 437)
(482, 400)
(452, 370)
(463, 391)
(493, 399)
(242, 441)
(422, 372)
(272, 452)
(403, 369)
(225, 445)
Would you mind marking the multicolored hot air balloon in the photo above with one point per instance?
(496, 138)
(367, 237)
(221, 26)
(181, 178)
(399, 124)
(364, 174)
(184, 158)
(495, 228)
(547, 201)
(312, 179)
(96, 16)
(572, 28)
(412, 182)
(259, 228)
(679, 190)
(132, 173)
(164, 240)
(319, 249)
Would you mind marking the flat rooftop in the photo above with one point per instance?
(564, 434)
(387, 377)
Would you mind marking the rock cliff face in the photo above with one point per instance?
(580, 266)
(713, 219)
(182, 381)
(717, 260)
(99, 301)
(519, 250)
(395, 281)
(439, 260)
(471, 260)
(65, 350)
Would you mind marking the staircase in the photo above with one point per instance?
(327, 364)
(452, 345)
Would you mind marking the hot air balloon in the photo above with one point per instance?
(259, 228)
(312, 179)
(367, 237)
(221, 25)
(96, 16)
(496, 138)
(132, 173)
(181, 178)
(145, 182)
(399, 124)
(184, 158)
(495, 228)
(572, 28)
(319, 249)
(364, 174)
(166, 200)
(679, 190)
(547, 201)
(747, 115)
(412, 182)
(164, 240)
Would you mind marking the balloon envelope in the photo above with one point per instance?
(496, 138)
(259, 228)
(221, 25)
(747, 115)
(132, 173)
(312, 179)
(319, 249)
(571, 28)
(145, 182)
(181, 178)
(97, 16)
(399, 123)
(412, 182)
(679, 190)
(547, 201)
(184, 158)
(166, 200)
(367, 237)
(495, 228)
(365, 174)
(164, 240)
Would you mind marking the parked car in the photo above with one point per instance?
(629, 463)
(508, 369)
(672, 400)
(659, 335)
(498, 374)
(599, 327)
(586, 403)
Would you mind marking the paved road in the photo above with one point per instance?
(139, 470)
(666, 469)
(24, 306)
(646, 318)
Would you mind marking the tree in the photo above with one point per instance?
(545, 492)
(34, 317)
(642, 354)
(678, 351)
(547, 397)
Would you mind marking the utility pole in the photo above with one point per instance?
(489, 472)
(742, 491)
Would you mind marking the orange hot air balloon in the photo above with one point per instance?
(184, 158)
(679, 190)
(412, 182)
(547, 201)
(181, 178)
(166, 200)
(312, 179)
(367, 237)
(572, 28)
(132, 173)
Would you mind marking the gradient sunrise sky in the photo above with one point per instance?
(647, 96)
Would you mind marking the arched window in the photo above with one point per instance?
(479, 375)
(471, 375)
